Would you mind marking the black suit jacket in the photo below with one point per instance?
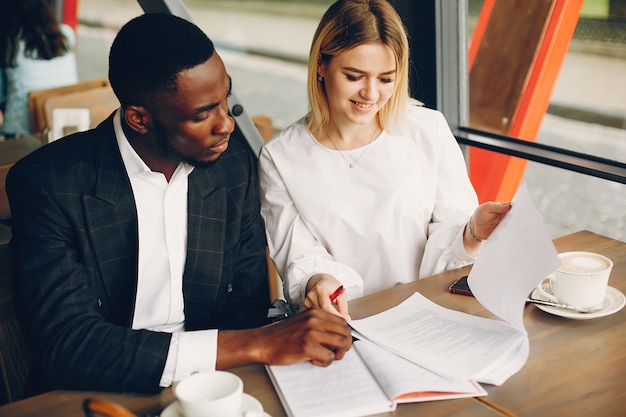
(75, 244)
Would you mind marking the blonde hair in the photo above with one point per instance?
(346, 25)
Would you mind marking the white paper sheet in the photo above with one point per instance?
(450, 343)
(518, 255)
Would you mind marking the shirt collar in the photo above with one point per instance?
(135, 166)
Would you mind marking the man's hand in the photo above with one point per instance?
(311, 335)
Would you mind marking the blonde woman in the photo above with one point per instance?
(369, 189)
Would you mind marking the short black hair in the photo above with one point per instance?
(150, 51)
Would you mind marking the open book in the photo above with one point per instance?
(368, 380)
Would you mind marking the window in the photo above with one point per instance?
(587, 138)
(585, 114)
(265, 48)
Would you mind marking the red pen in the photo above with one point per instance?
(336, 294)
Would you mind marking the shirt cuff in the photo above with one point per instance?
(458, 247)
(190, 352)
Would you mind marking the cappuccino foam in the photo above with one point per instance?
(583, 263)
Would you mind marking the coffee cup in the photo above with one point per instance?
(210, 394)
(580, 281)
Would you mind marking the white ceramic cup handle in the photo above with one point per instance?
(544, 294)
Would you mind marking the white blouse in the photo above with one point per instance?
(398, 215)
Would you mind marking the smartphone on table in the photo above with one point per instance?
(460, 286)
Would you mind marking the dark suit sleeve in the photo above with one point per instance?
(65, 311)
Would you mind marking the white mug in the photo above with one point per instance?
(210, 394)
(580, 281)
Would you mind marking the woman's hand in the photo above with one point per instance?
(318, 292)
(487, 216)
(482, 223)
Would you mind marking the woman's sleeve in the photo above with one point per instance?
(297, 254)
(455, 202)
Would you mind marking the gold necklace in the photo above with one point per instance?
(352, 164)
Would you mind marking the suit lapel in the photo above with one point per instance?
(206, 228)
(111, 218)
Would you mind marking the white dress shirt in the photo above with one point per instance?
(399, 214)
(159, 306)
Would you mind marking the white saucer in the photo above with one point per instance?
(249, 403)
(613, 302)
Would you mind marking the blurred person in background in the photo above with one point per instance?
(36, 53)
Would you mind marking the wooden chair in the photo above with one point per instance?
(99, 102)
(15, 358)
(37, 99)
(264, 125)
(10, 152)
(5, 210)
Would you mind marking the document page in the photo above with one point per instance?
(368, 380)
(345, 388)
(405, 381)
(518, 255)
(456, 345)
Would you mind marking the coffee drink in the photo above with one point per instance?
(583, 263)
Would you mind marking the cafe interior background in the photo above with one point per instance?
(548, 111)
(552, 78)
(570, 81)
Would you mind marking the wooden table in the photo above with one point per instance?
(574, 368)
(11, 151)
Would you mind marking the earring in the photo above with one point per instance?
(320, 78)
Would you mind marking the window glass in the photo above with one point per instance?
(263, 44)
(569, 201)
(590, 84)
(586, 113)
(265, 48)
